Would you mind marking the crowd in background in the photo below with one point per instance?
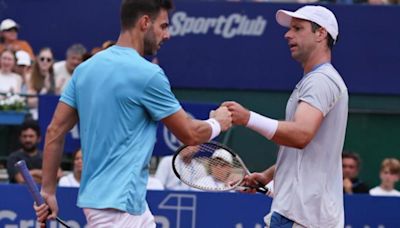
(164, 177)
(371, 2)
(30, 74)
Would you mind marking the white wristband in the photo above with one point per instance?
(263, 125)
(215, 127)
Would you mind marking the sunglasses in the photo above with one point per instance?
(13, 29)
(45, 59)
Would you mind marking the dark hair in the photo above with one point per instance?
(37, 78)
(30, 124)
(330, 40)
(131, 10)
(353, 156)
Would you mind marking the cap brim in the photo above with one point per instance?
(284, 17)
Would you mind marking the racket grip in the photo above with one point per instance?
(32, 186)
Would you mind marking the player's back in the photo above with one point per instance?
(117, 95)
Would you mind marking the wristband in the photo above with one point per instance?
(215, 127)
(263, 125)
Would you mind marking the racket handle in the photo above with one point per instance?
(33, 188)
(261, 189)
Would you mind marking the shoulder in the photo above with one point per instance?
(374, 190)
(17, 153)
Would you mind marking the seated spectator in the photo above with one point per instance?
(389, 175)
(10, 82)
(351, 166)
(73, 179)
(166, 175)
(9, 38)
(29, 139)
(42, 79)
(154, 184)
(63, 70)
(23, 68)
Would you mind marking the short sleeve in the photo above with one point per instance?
(320, 91)
(68, 96)
(158, 98)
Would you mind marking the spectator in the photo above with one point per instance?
(29, 139)
(42, 79)
(23, 68)
(166, 175)
(10, 82)
(389, 175)
(351, 166)
(73, 179)
(9, 38)
(63, 70)
(154, 184)
(219, 169)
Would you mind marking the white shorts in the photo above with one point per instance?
(105, 218)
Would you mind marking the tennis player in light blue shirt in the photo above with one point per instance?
(117, 97)
(136, 95)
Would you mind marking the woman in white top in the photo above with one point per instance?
(389, 174)
(42, 79)
(10, 82)
(73, 179)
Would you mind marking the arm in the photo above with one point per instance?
(299, 132)
(296, 133)
(193, 132)
(65, 117)
(254, 180)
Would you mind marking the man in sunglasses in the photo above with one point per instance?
(9, 38)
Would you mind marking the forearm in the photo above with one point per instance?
(200, 131)
(291, 134)
(269, 174)
(51, 159)
(191, 131)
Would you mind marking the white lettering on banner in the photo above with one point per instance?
(226, 26)
(170, 139)
(240, 225)
(174, 202)
(31, 223)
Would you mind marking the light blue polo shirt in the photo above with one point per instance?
(119, 97)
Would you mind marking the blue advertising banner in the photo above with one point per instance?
(196, 209)
(46, 108)
(166, 143)
(235, 45)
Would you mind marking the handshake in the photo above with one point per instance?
(229, 113)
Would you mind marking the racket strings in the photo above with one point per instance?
(209, 167)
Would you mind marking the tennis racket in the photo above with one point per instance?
(211, 166)
(33, 188)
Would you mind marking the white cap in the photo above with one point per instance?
(23, 58)
(8, 24)
(223, 154)
(317, 14)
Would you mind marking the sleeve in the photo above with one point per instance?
(158, 98)
(320, 91)
(68, 96)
